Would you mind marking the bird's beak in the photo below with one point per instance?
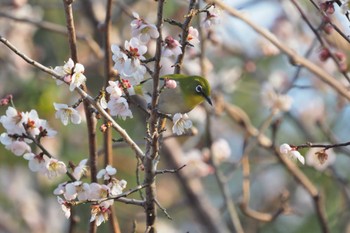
(207, 98)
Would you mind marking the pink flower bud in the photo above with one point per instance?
(171, 84)
(324, 54)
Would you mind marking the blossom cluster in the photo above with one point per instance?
(70, 192)
(117, 104)
(73, 74)
(22, 129)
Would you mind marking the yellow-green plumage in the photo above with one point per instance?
(190, 91)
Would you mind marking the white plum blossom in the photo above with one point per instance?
(31, 122)
(116, 186)
(80, 169)
(19, 147)
(221, 150)
(127, 61)
(83, 192)
(13, 121)
(320, 159)
(119, 107)
(20, 126)
(77, 189)
(73, 190)
(16, 146)
(193, 35)
(275, 101)
(99, 214)
(45, 129)
(70, 192)
(292, 153)
(54, 167)
(98, 191)
(71, 73)
(212, 17)
(61, 188)
(171, 47)
(25, 123)
(36, 162)
(66, 114)
(114, 89)
(181, 123)
(78, 78)
(119, 57)
(106, 173)
(143, 30)
(64, 71)
(65, 206)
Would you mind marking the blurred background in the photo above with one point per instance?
(237, 62)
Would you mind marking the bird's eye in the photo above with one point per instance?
(199, 89)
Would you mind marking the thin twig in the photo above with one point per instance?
(265, 217)
(163, 171)
(321, 145)
(163, 209)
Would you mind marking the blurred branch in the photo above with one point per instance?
(95, 48)
(265, 217)
(163, 171)
(223, 185)
(333, 25)
(298, 71)
(302, 179)
(125, 7)
(205, 212)
(241, 118)
(293, 56)
(319, 38)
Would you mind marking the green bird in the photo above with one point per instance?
(188, 93)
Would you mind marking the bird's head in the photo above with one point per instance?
(194, 89)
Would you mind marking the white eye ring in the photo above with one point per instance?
(199, 89)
